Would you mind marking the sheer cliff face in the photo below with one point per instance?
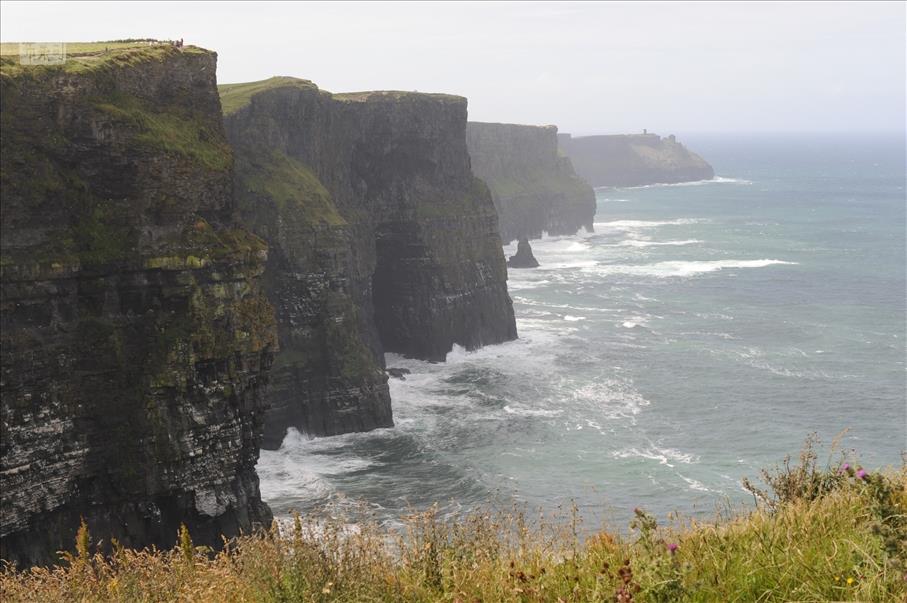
(534, 187)
(381, 239)
(633, 160)
(134, 336)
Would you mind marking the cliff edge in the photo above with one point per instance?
(633, 160)
(534, 187)
(381, 240)
(135, 340)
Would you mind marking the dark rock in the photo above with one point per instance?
(634, 160)
(535, 189)
(381, 240)
(523, 257)
(135, 340)
(398, 373)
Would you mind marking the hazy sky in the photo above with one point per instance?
(589, 68)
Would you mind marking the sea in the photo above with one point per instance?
(700, 333)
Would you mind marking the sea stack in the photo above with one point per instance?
(523, 257)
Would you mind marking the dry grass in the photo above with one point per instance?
(844, 541)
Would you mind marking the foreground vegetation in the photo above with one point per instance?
(832, 533)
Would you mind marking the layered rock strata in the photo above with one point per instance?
(381, 240)
(135, 339)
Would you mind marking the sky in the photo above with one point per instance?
(587, 67)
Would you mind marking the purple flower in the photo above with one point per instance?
(845, 468)
(672, 546)
(861, 473)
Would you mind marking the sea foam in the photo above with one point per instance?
(638, 243)
(715, 180)
(681, 268)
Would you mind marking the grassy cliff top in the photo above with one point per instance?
(234, 97)
(394, 95)
(83, 57)
(835, 533)
(495, 124)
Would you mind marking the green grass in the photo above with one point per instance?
(172, 129)
(395, 96)
(290, 184)
(88, 57)
(80, 48)
(234, 97)
(818, 534)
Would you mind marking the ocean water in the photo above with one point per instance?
(699, 334)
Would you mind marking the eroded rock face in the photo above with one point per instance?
(135, 340)
(633, 160)
(535, 189)
(381, 240)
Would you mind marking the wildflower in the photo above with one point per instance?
(849, 581)
(861, 473)
(672, 547)
(837, 578)
(845, 468)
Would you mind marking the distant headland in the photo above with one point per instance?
(633, 159)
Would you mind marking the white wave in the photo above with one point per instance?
(562, 265)
(615, 201)
(530, 412)
(713, 316)
(695, 485)
(297, 471)
(571, 318)
(638, 321)
(715, 180)
(533, 313)
(638, 243)
(514, 284)
(681, 268)
(664, 456)
(531, 302)
(624, 225)
(614, 398)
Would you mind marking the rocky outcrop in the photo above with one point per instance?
(135, 339)
(523, 257)
(633, 160)
(381, 240)
(534, 187)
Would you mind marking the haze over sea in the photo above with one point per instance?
(699, 334)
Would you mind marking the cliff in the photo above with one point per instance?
(534, 187)
(381, 240)
(633, 160)
(135, 339)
